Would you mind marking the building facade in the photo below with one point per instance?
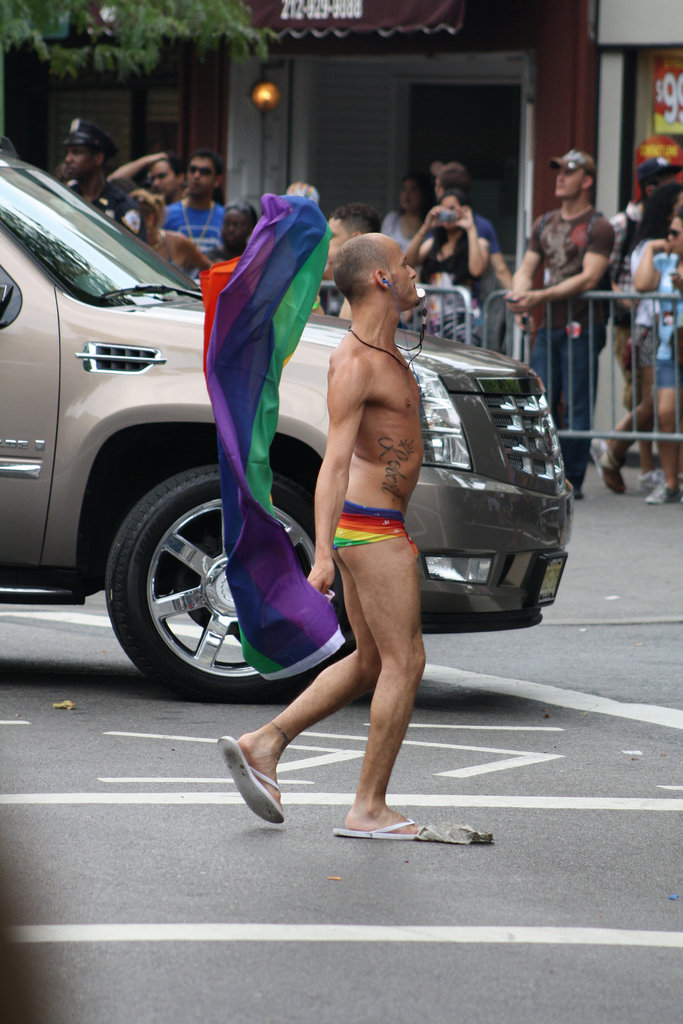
(389, 87)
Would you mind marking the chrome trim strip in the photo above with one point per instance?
(20, 469)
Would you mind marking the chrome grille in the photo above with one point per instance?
(528, 437)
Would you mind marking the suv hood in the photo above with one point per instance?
(459, 366)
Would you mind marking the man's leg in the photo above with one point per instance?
(386, 581)
(545, 361)
(382, 598)
(580, 375)
(335, 687)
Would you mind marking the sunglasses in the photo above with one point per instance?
(204, 171)
(672, 233)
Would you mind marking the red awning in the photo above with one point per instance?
(341, 17)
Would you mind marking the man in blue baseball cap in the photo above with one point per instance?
(655, 172)
(88, 147)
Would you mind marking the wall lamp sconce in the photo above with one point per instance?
(265, 96)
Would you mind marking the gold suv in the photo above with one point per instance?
(108, 462)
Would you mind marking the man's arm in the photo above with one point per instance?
(346, 397)
(135, 167)
(594, 266)
(430, 223)
(477, 248)
(500, 269)
(646, 278)
(523, 277)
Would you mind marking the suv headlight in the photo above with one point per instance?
(442, 435)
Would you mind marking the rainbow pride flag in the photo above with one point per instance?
(286, 625)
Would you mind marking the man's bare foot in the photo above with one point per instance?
(367, 821)
(262, 751)
(258, 789)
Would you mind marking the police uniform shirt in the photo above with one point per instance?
(115, 203)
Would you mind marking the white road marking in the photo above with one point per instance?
(486, 728)
(163, 736)
(669, 787)
(13, 721)
(72, 618)
(329, 756)
(214, 740)
(672, 718)
(557, 803)
(497, 766)
(161, 780)
(469, 934)
(521, 758)
(313, 762)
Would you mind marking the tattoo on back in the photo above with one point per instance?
(392, 455)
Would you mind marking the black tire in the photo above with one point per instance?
(167, 597)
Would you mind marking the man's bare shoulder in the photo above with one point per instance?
(350, 361)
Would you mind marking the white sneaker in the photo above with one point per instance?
(598, 447)
(662, 495)
(648, 481)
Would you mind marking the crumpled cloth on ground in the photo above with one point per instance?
(446, 832)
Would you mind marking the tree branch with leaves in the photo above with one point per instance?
(127, 37)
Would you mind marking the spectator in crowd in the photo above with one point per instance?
(573, 243)
(655, 172)
(449, 251)
(610, 455)
(662, 264)
(88, 147)
(239, 220)
(171, 245)
(650, 174)
(346, 222)
(166, 177)
(416, 200)
(198, 215)
(455, 175)
(159, 172)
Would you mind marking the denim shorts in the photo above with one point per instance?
(664, 374)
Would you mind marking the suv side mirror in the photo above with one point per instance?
(10, 300)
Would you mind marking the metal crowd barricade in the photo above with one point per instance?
(450, 311)
(519, 344)
(499, 331)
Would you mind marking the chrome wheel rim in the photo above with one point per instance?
(188, 596)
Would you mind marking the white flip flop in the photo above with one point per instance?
(250, 782)
(389, 832)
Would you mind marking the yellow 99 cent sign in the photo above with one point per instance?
(668, 95)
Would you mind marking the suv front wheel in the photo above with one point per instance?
(167, 593)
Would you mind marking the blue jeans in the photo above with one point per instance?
(568, 368)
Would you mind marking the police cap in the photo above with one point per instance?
(87, 133)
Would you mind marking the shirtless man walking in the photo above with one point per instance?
(370, 469)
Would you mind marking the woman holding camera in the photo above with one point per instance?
(448, 251)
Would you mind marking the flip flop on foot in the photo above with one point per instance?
(250, 782)
(389, 832)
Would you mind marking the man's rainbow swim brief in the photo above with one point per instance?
(362, 524)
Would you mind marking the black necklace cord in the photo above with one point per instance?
(379, 349)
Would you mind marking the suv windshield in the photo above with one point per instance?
(88, 255)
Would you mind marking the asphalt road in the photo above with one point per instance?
(141, 889)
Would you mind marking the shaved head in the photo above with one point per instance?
(357, 260)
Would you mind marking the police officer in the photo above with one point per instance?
(88, 148)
